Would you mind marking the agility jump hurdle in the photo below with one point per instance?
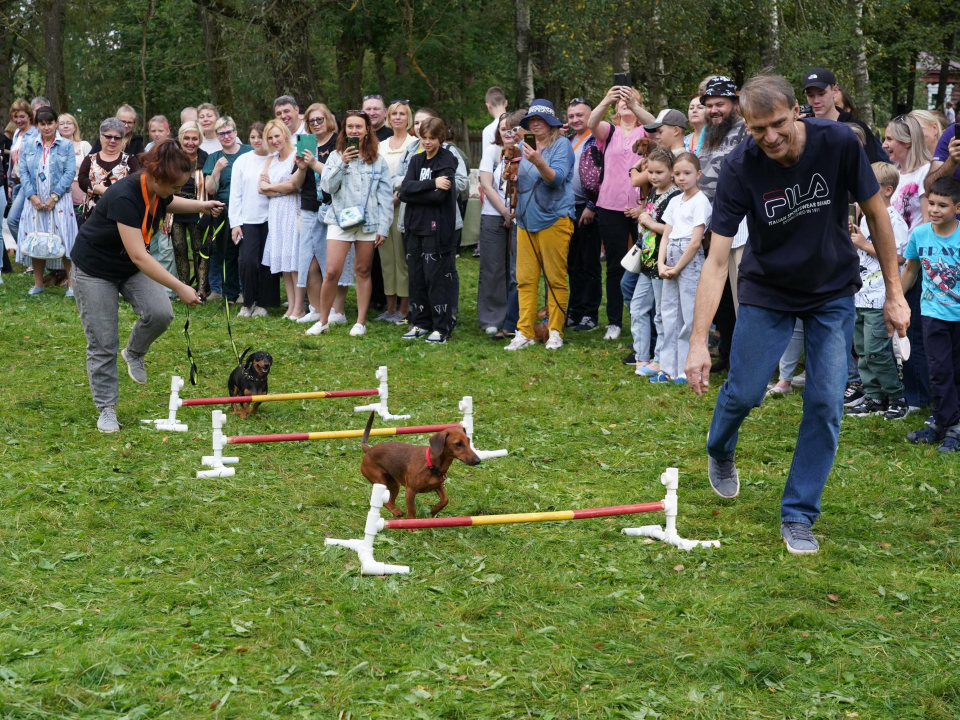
(218, 462)
(380, 494)
(172, 424)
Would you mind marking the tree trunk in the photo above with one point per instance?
(349, 70)
(912, 80)
(217, 65)
(6, 70)
(143, 62)
(54, 17)
(770, 43)
(524, 60)
(944, 78)
(861, 73)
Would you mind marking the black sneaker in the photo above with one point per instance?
(853, 394)
(720, 365)
(951, 441)
(867, 407)
(586, 324)
(897, 410)
(630, 359)
(927, 435)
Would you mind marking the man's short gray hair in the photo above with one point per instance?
(112, 123)
(284, 100)
(38, 102)
(763, 94)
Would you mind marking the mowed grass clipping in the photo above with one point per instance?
(130, 589)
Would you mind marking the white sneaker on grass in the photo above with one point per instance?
(318, 328)
(336, 318)
(259, 311)
(310, 317)
(415, 333)
(519, 342)
(358, 330)
(245, 312)
(554, 342)
(436, 338)
(490, 330)
(613, 332)
(108, 421)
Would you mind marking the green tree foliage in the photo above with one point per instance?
(445, 53)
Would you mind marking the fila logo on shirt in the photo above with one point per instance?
(426, 173)
(796, 202)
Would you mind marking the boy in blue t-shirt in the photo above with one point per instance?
(933, 253)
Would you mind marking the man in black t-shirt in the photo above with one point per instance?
(791, 181)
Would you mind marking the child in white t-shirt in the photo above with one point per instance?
(882, 387)
(679, 265)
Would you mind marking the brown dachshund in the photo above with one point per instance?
(419, 468)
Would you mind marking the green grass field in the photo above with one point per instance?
(129, 589)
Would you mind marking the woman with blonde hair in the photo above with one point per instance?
(69, 129)
(207, 116)
(393, 261)
(281, 181)
(932, 125)
(313, 231)
(182, 226)
(905, 143)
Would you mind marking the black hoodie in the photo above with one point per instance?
(431, 211)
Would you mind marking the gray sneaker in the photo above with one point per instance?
(723, 477)
(799, 538)
(108, 421)
(135, 368)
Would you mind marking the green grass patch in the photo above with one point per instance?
(130, 589)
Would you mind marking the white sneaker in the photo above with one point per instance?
(317, 328)
(310, 317)
(358, 330)
(490, 330)
(245, 311)
(613, 332)
(337, 319)
(259, 312)
(519, 342)
(554, 342)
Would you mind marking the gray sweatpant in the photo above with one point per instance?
(99, 312)
(676, 309)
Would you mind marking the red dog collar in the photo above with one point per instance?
(433, 468)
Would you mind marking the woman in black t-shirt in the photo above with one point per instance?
(111, 256)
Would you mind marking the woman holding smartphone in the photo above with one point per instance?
(358, 180)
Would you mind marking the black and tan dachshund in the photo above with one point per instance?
(249, 378)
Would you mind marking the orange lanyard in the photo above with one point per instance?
(146, 229)
(588, 134)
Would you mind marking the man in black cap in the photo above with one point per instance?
(724, 131)
(823, 95)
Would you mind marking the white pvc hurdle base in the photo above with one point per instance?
(668, 534)
(380, 407)
(380, 494)
(173, 424)
(218, 462)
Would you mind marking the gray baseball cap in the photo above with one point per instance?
(668, 117)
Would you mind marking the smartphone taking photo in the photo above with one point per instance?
(622, 79)
(353, 142)
(531, 140)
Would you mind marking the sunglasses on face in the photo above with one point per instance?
(512, 131)
(112, 138)
(316, 121)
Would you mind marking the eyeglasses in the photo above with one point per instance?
(374, 96)
(512, 131)
(112, 138)
(400, 102)
(577, 101)
(316, 121)
(225, 133)
(128, 122)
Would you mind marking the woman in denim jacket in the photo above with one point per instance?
(47, 166)
(354, 175)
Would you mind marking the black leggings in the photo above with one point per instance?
(179, 232)
(260, 286)
(616, 229)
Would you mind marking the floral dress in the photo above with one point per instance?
(282, 250)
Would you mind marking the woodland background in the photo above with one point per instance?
(88, 56)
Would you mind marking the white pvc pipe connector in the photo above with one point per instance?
(379, 494)
(218, 461)
(380, 407)
(466, 407)
(170, 423)
(668, 534)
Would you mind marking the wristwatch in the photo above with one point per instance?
(55, 197)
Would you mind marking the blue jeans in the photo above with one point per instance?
(760, 338)
(16, 210)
